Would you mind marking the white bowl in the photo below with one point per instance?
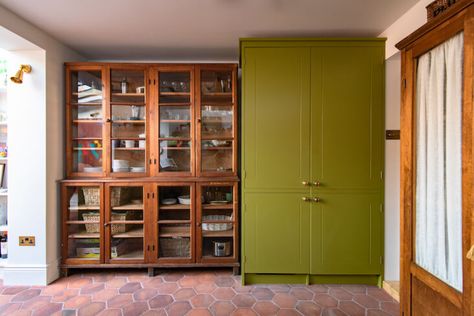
(121, 169)
(169, 201)
(117, 163)
(141, 143)
(184, 199)
(137, 169)
(129, 144)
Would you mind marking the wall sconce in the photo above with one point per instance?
(18, 78)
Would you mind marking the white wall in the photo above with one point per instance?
(392, 169)
(36, 136)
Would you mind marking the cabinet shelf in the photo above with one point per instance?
(87, 138)
(128, 121)
(175, 207)
(84, 235)
(128, 222)
(128, 148)
(217, 148)
(137, 254)
(217, 94)
(175, 138)
(167, 94)
(88, 121)
(81, 222)
(229, 206)
(174, 222)
(225, 233)
(128, 207)
(175, 104)
(86, 104)
(175, 121)
(84, 208)
(87, 148)
(114, 103)
(176, 148)
(130, 94)
(134, 233)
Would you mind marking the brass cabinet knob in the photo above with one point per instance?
(306, 183)
(306, 199)
(316, 183)
(316, 199)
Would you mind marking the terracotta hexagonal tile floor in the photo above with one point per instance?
(188, 292)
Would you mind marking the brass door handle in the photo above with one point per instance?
(306, 199)
(470, 253)
(316, 199)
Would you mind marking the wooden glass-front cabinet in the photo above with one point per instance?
(151, 165)
(132, 120)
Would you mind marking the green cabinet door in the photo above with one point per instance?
(275, 233)
(275, 118)
(347, 116)
(346, 234)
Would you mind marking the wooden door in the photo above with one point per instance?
(425, 290)
(347, 129)
(346, 234)
(276, 233)
(125, 229)
(275, 118)
(217, 222)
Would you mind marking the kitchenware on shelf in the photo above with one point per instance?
(92, 169)
(120, 163)
(141, 143)
(115, 143)
(184, 199)
(135, 113)
(122, 169)
(216, 226)
(228, 197)
(170, 201)
(219, 142)
(129, 144)
(140, 89)
(137, 169)
(123, 85)
(218, 202)
(222, 248)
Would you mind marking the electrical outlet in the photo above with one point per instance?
(27, 241)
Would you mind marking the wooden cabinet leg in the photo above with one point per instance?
(236, 270)
(151, 272)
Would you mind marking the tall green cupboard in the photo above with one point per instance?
(312, 160)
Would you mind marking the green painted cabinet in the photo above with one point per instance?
(312, 159)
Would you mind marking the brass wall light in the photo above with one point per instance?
(18, 78)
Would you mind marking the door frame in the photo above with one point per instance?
(414, 46)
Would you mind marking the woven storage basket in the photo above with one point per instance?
(216, 226)
(437, 7)
(95, 227)
(91, 196)
(119, 196)
(174, 247)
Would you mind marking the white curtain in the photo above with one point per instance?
(438, 242)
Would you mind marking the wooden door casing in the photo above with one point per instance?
(421, 292)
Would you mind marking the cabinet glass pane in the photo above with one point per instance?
(174, 222)
(126, 222)
(127, 86)
(86, 118)
(216, 86)
(216, 155)
(175, 87)
(83, 222)
(217, 121)
(217, 221)
(128, 146)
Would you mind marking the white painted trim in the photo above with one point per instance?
(30, 274)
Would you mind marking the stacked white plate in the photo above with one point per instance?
(137, 169)
(119, 165)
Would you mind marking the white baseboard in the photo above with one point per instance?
(24, 274)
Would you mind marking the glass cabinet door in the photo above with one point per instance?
(217, 116)
(125, 223)
(175, 222)
(128, 122)
(86, 117)
(217, 222)
(82, 224)
(175, 121)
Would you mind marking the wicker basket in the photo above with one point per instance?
(216, 226)
(119, 196)
(174, 247)
(437, 7)
(95, 227)
(91, 196)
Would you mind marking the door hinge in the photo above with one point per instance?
(381, 175)
(381, 259)
(404, 83)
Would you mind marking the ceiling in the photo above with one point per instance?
(198, 29)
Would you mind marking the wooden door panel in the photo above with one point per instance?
(347, 116)
(346, 234)
(276, 118)
(276, 233)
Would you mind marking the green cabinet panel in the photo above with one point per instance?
(346, 234)
(276, 233)
(276, 118)
(347, 116)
